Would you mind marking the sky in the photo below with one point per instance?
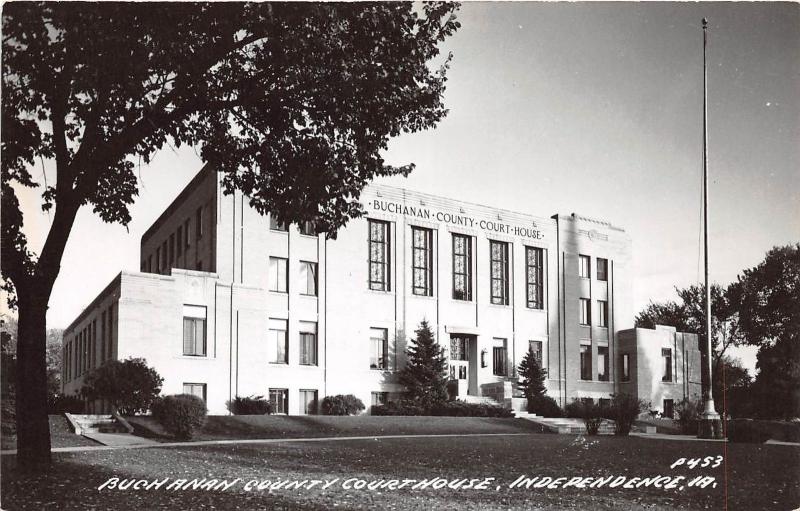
(592, 108)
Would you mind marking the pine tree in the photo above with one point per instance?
(532, 376)
(425, 373)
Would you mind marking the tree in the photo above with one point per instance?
(292, 102)
(129, 385)
(425, 373)
(731, 388)
(532, 376)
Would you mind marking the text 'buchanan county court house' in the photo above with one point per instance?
(230, 303)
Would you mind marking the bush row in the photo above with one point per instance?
(447, 409)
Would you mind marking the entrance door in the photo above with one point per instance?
(459, 361)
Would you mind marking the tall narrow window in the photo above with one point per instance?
(179, 241)
(102, 337)
(164, 257)
(275, 225)
(278, 344)
(194, 331)
(308, 402)
(158, 259)
(459, 348)
(499, 272)
(602, 269)
(280, 400)
(625, 367)
(462, 267)
(380, 398)
(602, 310)
(278, 273)
(111, 331)
(186, 234)
(308, 278)
(308, 343)
(669, 408)
(536, 348)
(499, 358)
(666, 356)
(585, 312)
(94, 343)
(534, 277)
(584, 264)
(379, 348)
(171, 249)
(602, 363)
(198, 223)
(195, 389)
(586, 362)
(422, 261)
(379, 263)
(307, 228)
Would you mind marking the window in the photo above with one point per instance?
(533, 275)
(499, 358)
(308, 343)
(164, 257)
(179, 238)
(198, 221)
(602, 269)
(536, 348)
(666, 356)
(379, 345)
(111, 332)
(462, 267)
(149, 264)
(669, 408)
(602, 363)
(499, 272)
(186, 233)
(277, 347)
(602, 309)
(380, 398)
(605, 402)
(584, 263)
(462, 371)
(422, 261)
(625, 367)
(307, 228)
(459, 348)
(171, 248)
(308, 278)
(308, 402)
(194, 331)
(102, 337)
(275, 225)
(280, 400)
(278, 272)
(585, 312)
(586, 362)
(195, 389)
(379, 256)
(158, 259)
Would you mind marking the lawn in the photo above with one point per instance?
(61, 435)
(758, 476)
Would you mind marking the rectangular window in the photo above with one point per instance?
(308, 343)
(102, 337)
(602, 269)
(186, 233)
(275, 225)
(536, 348)
(307, 228)
(585, 312)
(195, 389)
(602, 309)
(280, 400)
(625, 367)
(164, 257)
(499, 272)
(179, 238)
(379, 263)
(308, 278)
(462, 267)
(462, 372)
(586, 362)
(94, 343)
(666, 356)
(602, 363)
(380, 398)
(158, 259)
(278, 344)
(308, 402)
(459, 348)
(669, 409)
(422, 261)
(194, 331)
(499, 358)
(198, 221)
(584, 265)
(278, 273)
(379, 346)
(534, 277)
(171, 249)
(111, 332)
(150, 263)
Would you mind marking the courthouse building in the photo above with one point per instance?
(229, 303)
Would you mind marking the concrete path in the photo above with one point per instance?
(691, 438)
(119, 439)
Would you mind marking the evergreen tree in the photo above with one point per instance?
(425, 373)
(532, 376)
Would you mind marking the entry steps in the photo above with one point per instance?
(83, 424)
(565, 425)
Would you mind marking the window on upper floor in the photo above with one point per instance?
(625, 367)
(586, 362)
(275, 225)
(666, 357)
(278, 274)
(602, 269)
(307, 228)
(308, 278)
(584, 266)
(308, 343)
(422, 261)
(602, 313)
(585, 311)
(602, 363)
(462, 267)
(498, 252)
(534, 276)
(379, 256)
(278, 341)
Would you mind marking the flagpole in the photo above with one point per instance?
(710, 425)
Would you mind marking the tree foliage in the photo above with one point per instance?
(425, 373)
(129, 385)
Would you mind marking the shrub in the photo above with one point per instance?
(251, 405)
(587, 410)
(746, 431)
(688, 412)
(624, 410)
(447, 409)
(398, 408)
(63, 403)
(180, 414)
(342, 405)
(545, 406)
(129, 385)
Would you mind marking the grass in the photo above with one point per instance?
(61, 435)
(758, 476)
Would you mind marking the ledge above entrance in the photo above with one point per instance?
(467, 330)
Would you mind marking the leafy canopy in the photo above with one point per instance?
(129, 385)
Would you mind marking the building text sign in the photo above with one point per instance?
(497, 226)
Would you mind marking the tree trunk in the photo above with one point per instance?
(33, 428)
